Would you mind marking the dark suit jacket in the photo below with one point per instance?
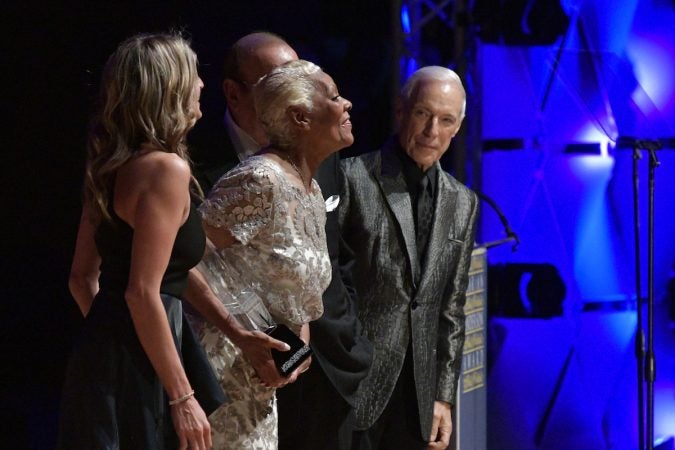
(212, 152)
(336, 339)
(397, 299)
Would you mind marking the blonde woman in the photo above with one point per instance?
(126, 386)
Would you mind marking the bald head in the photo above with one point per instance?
(254, 55)
(249, 59)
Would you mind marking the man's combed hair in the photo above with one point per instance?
(437, 73)
(291, 84)
(146, 96)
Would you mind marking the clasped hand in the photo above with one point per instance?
(256, 347)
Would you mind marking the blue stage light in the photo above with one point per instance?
(405, 19)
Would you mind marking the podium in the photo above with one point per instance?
(469, 416)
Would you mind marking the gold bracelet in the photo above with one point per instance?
(182, 399)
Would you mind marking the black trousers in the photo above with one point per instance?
(313, 415)
(398, 427)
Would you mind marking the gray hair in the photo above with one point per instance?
(291, 84)
(437, 73)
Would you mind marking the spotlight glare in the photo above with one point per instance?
(405, 19)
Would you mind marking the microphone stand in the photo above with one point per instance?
(650, 369)
(639, 334)
(646, 362)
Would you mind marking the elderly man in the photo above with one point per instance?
(411, 226)
(317, 410)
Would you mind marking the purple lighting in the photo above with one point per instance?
(655, 70)
(405, 19)
(568, 192)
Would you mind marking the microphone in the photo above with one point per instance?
(510, 234)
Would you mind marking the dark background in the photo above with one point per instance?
(52, 59)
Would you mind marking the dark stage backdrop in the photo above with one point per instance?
(52, 55)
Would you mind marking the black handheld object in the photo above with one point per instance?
(288, 361)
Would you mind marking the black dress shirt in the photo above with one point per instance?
(422, 189)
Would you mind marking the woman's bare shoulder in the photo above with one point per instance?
(153, 169)
(162, 164)
(154, 175)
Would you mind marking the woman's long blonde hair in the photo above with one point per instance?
(146, 96)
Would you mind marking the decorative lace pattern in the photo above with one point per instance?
(249, 420)
(281, 254)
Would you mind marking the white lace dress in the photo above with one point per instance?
(281, 254)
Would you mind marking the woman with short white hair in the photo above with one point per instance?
(266, 218)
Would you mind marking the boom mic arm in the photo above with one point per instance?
(510, 234)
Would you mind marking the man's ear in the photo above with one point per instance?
(298, 117)
(458, 127)
(398, 111)
(232, 93)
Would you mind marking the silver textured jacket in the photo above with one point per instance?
(397, 300)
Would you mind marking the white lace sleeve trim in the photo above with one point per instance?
(241, 201)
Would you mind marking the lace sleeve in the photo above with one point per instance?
(241, 201)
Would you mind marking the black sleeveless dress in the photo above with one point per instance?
(112, 397)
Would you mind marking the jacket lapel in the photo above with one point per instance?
(396, 194)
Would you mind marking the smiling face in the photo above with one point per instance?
(429, 120)
(329, 118)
